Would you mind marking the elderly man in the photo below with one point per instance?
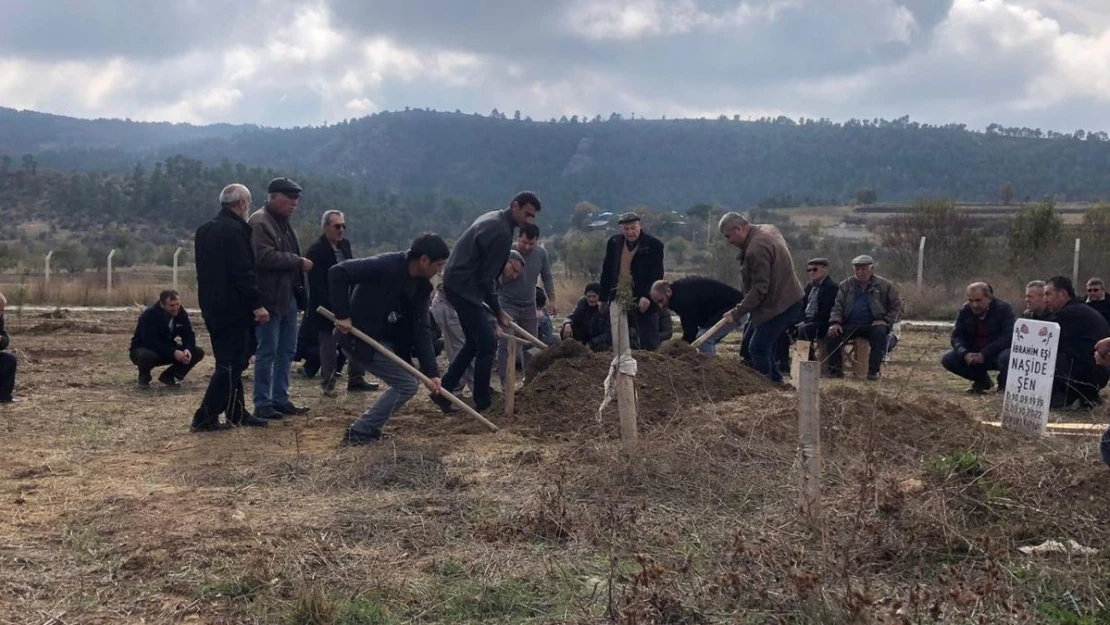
(231, 305)
(7, 359)
(386, 297)
(518, 296)
(772, 293)
(981, 339)
(1078, 378)
(281, 270)
(699, 303)
(867, 306)
(1096, 297)
(329, 250)
(470, 285)
(1035, 307)
(588, 324)
(164, 336)
(820, 297)
(634, 257)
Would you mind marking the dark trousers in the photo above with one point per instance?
(979, 374)
(768, 346)
(479, 346)
(231, 348)
(876, 335)
(147, 359)
(7, 376)
(646, 326)
(1077, 379)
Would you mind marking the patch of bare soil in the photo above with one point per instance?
(566, 385)
(69, 327)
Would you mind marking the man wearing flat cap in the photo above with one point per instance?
(636, 256)
(867, 306)
(820, 297)
(281, 271)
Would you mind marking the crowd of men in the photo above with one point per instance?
(253, 282)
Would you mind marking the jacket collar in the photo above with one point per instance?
(227, 212)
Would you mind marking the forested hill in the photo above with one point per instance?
(618, 163)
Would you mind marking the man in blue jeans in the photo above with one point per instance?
(772, 293)
(281, 270)
(470, 285)
(390, 300)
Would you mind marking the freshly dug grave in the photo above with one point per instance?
(565, 386)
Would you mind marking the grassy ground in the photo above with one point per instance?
(113, 513)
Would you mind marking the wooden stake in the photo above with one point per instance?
(510, 378)
(384, 351)
(809, 439)
(626, 385)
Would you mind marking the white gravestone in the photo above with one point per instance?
(1029, 379)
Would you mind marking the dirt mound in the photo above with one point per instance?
(57, 313)
(565, 389)
(66, 327)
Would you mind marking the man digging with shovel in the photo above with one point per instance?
(389, 303)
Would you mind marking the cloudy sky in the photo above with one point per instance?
(1043, 63)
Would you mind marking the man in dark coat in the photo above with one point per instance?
(470, 286)
(637, 257)
(164, 336)
(981, 339)
(1078, 377)
(231, 305)
(389, 302)
(588, 324)
(1096, 297)
(699, 303)
(330, 249)
(7, 359)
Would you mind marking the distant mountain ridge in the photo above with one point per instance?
(615, 164)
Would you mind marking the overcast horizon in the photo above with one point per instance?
(284, 63)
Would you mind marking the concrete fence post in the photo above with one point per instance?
(110, 255)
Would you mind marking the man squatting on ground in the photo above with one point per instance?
(231, 305)
(772, 296)
(699, 303)
(867, 306)
(470, 285)
(156, 341)
(518, 296)
(589, 324)
(329, 250)
(1078, 379)
(281, 270)
(637, 256)
(389, 302)
(1096, 297)
(981, 339)
(1034, 302)
(7, 359)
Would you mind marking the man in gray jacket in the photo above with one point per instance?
(866, 307)
(281, 270)
(469, 283)
(518, 297)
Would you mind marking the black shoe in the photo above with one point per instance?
(143, 385)
(444, 404)
(872, 377)
(328, 387)
(250, 420)
(361, 386)
(268, 413)
(291, 409)
(169, 380)
(978, 389)
(836, 375)
(205, 422)
(352, 438)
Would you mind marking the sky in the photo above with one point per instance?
(1036, 63)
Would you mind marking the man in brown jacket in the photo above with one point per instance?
(281, 269)
(867, 306)
(772, 293)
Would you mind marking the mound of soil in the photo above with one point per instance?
(66, 327)
(565, 387)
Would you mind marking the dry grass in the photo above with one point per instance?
(115, 514)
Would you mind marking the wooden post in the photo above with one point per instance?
(510, 379)
(921, 263)
(110, 255)
(809, 439)
(626, 385)
(175, 255)
(1075, 265)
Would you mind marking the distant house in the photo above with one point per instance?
(600, 221)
